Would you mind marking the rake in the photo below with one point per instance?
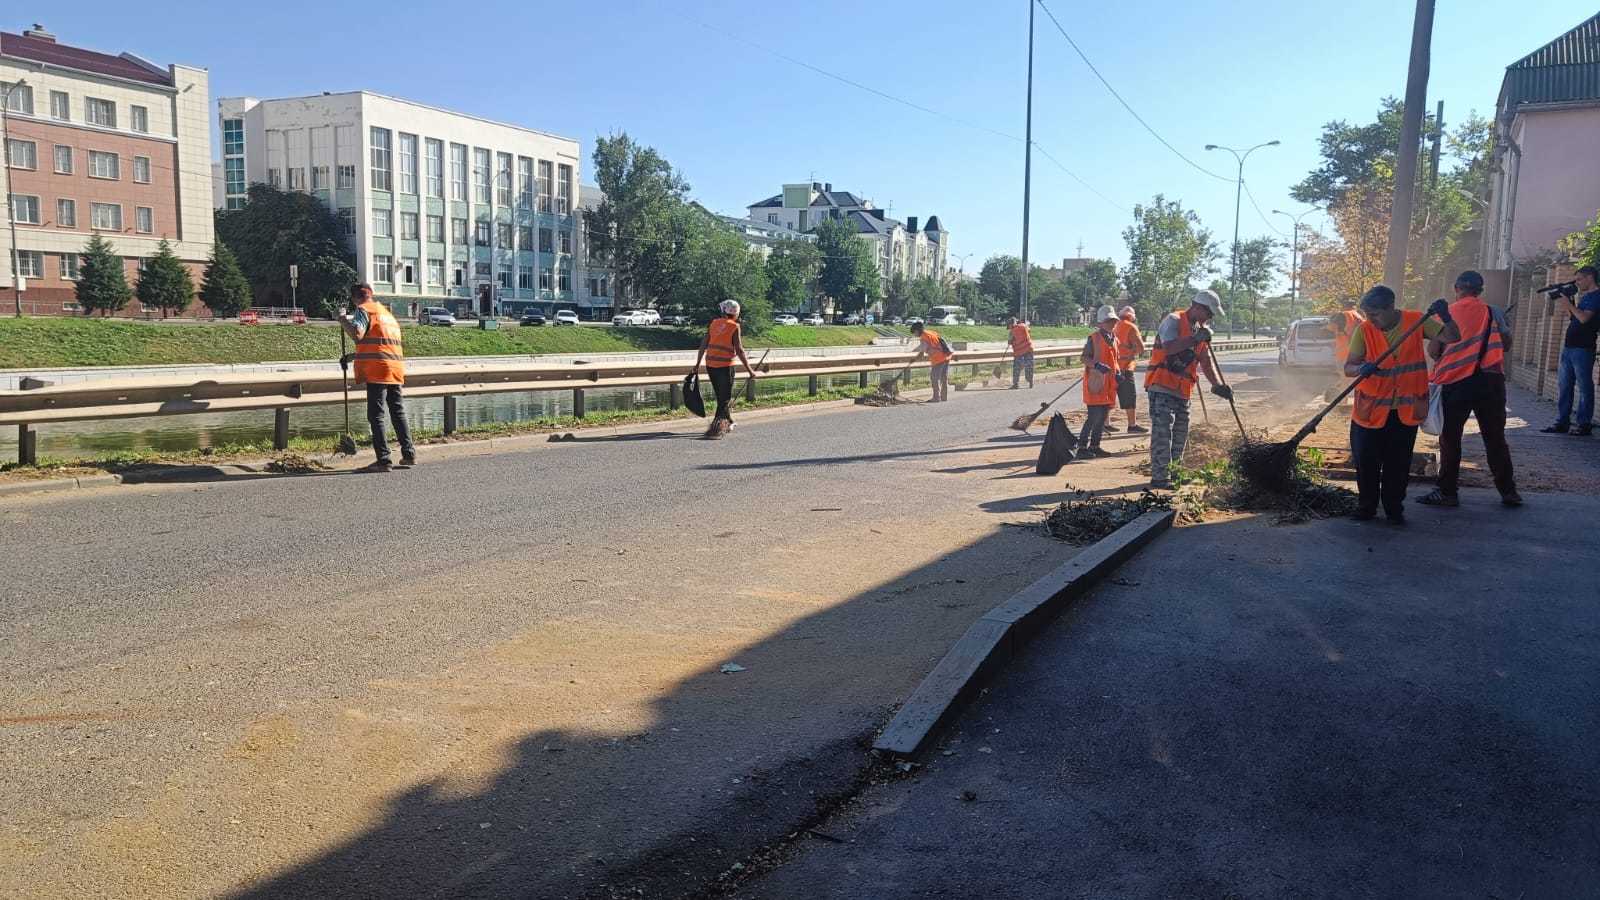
(1021, 423)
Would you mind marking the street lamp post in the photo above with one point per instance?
(1294, 256)
(1238, 194)
(11, 218)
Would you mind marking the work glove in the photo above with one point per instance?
(345, 360)
(1440, 308)
(1202, 334)
(1369, 369)
(1223, 391)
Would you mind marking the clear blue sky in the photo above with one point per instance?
(739, 121)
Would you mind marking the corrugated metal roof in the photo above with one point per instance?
(1566, 69)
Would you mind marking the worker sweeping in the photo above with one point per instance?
(1391, 401)
(1130, 346)
(939, 355)
(380, 364)
(1099, 382)
(718, 349)
(1344, 325)
(1182, 344)
(1021, 343)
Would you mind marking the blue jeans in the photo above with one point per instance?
(1577, 367)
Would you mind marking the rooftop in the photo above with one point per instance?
(39, 46)
(1565, 70)
(416, 103)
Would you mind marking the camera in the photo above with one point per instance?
(1564, 289)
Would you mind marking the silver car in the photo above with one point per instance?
(1309, 344)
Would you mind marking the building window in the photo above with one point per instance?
(18, 98)
(25, 209)
(382, 160)
(480, 174)
(232, 137)
(60, 107)
(563, 189)
(547, 240)
(594, 287)
(458, 231)
(319, 178)
(485, 233)
(524, 182)
(408, 226)
(458, 172)
(546, 279)
(605, 286)
(22, 154)
(69, 266)
(436, 271)
(481, 271)
(458, 274)
(525, 238)
(564, 285)
(504, 277)
(408, 163)
(503, 179)
(772, 218)
(408, 271)
(503, 236)
(524, 279)
(297, 179)
(103, 165)
(544, 185)
(100, 112)
(435, 167)
(436, 229)
(233, 175)
(566, 241)
(30, 264)
(383, 268)
(105, 216)
(383, 223)
(144, 219)
(347, 220)
(67, 213)
(139, 119)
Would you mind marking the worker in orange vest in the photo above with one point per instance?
(1391, 401)
(939, 355)
(380, 364)
(1099, 382)
(1130, 346)
(1021, 343)
(718, 349)
(1182, 345)
(1470, 373)
(1344, 324)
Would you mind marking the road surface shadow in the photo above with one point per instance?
(836, 460)
(1044, 501)
(640, 436)
(160, 473)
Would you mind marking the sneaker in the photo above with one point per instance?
(1013, 387)
(1558, 428)
(1583, 431)
(1111, 429)
(381, 465)
(407, 460)
(1138, 429)
(1511, 498)
(1364, 515)
(1439, 498)
(1096, 453)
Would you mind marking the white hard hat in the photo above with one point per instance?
(1209, 300)
(1126, 311)
(1105, 312)
(730, 307)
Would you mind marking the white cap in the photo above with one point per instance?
(1209, 300)
(1126, 311)
(730, 307)
(1106, 312)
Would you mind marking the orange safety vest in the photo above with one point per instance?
(719, 343)
(1344, 325)
(1100, 388)
(1462, 358)
(930, 340)
(380, 356)
(1401, 385)
(1129, 343)
(1021, 340)
(1178, 375)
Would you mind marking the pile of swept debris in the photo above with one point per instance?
(888, 394)
(294, 464)
(1084, 518)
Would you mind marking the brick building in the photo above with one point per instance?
(98, 143)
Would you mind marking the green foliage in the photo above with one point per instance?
(849, 271)
(1168, 250)
(224, 289)
(927, 292)
(978, 304)
(102, 282)
(1090, 287)
(717, 265)
(1257, 261)
(1354, 154)
(276, 229)
(1000, 280)
(791, 274)
(636, 227)
(1582, 246)
(897, 299)
(165, 283)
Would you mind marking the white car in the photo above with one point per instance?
(813, 319)
(637, 317)
(435, 315)
(566, 317)
(1309, 343)
(785, 319)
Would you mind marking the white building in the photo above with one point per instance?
(904, 248)
(442, 208)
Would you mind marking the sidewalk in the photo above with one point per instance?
(1335, 710)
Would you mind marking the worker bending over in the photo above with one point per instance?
(1182, 344)
(939, 355)
(380, 364)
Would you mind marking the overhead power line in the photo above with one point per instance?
(1264, 220)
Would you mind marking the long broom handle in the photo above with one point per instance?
(1216, 366)
(345, 371)
(1317, 420)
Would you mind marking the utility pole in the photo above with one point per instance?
(1027, 172)
(11, 218)
(1438, 138)
(1238, 194)
(1294, 256)
(1405, 175)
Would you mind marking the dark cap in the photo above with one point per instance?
(1381, 296)
(361, 290)
(1470, 281)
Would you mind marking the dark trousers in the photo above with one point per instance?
(1094, 426)
(1383, 464)
(379, 396)
(1481, 394)
(722, 387)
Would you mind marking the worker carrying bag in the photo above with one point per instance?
(691, 395)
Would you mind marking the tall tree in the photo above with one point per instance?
(634, 227)
(224, 289)
(897, 299)
(1092, 286)
(717, 265)
(165, 283)
(923, 294)
(1258, 266)
(849, 272)
(1168, 250)
(791, 274)
(1353, 154)
(1000, 280)
(276, 229)
(102, 282)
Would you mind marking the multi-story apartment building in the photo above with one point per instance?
(98, 143)
(903, 247)
(441, 208)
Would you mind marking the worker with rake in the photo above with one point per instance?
(1182, 344)
(1099, 382)
(718, 349)
(1020, 340)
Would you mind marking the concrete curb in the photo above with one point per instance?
(44, 485)
(1000, 635)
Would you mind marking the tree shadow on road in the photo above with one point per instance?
(837, 460)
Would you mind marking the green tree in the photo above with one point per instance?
(637, 227)
(1052, 304)
(849, 271)
(1091, 287)
(165, 283)
(897, 299)
(102, 281)
(224, 289)
(716, 265)
(1000, 280)
(970, 296)
(791, 274)
(276, 229)
(1168, 250)
(1258, 266)
(923, 294)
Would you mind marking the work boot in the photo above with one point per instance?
(1396, 519)
(380, 465)
(1439, 498)
(1138, 429)
(407, 460)
(1110, 429)
(1093, 453)
(1364, 515)
(1511, 498)
(1583, 431)
(1558, 428)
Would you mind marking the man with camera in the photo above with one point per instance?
(1577, 353)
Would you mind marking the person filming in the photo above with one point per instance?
(1577, 354)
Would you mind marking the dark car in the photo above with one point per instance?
(532, 318)
(675, 319)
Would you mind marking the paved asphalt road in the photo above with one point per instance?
(1343, 710)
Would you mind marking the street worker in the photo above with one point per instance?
(1021, 343)
(1182, 344)
(1471, 376)
(1577, 355)
(1392, 400)
(1099, 382)
(718, 349)
(939, 355)
(1343, 324)
(1130, 346)
(380, 364)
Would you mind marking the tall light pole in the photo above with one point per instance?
(1238, 195)
(11, 218)
(1405, 170)
(1294, 256)
(1027, 171)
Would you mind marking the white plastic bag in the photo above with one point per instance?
(1434, 423)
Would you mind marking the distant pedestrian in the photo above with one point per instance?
(1471, 376)
(1182, 345)
(1099, 382)
(380, 364)
(721, 345)
(1130, 346)
(939, 355)
(1577, 357)
(1021, 343)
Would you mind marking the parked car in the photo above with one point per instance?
(1308, 343)
(678, 319)
(894, 320)
(436, 315)
(636, 317)
(812, 319)
(913, 320)
(532, 318)
(785, 319)
(852, 319)
(566, 317)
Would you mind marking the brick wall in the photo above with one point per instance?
(1540, 327)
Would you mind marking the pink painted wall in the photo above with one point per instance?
(1558, 188)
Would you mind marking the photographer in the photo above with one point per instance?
(1577, 353)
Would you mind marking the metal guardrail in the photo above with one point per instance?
(283, 391)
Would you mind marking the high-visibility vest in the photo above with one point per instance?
(1402, 383)
(936, 354)
(1344, 325)
(1129, 343)
(1177, 374)
(1100, 388)
(719, 343)
(1462, 358)
(1021, 340)
(380, 356)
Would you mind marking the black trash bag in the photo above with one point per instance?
(691, 394)
(1059, 442)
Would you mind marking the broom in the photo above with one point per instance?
(1216, 366)
(347, 444)
(999, 367)
(1021, 423)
